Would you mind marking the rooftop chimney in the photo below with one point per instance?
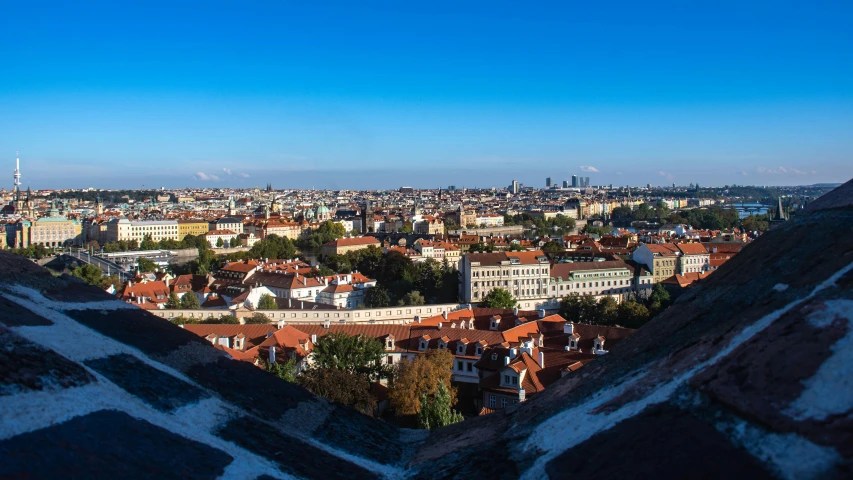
(506, 360)
(513, 352)
(272, 354)
(541, 313)
(569, 328)
(313, 338)
(541, 360)
(444, 315)
(515, 311)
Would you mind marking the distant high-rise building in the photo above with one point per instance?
(585, 181)
(548, 182)
(451, 188)
(515, 187)
(575, 181)
(565, 184)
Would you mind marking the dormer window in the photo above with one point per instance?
(460, 349)
(494, 356)
(479, 349)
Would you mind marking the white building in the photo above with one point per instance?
(524, 274)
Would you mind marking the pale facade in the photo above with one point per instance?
(525, 275)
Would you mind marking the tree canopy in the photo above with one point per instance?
(499, 298)
(189, 301)
(267, 302)
(349, 353)
(436, 409)
(90, 274)
(412, 380)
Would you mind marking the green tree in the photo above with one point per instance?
(267, 302)
(340, 386)
(89, 273)
(338, 263)
(482, 248)
(146, 265)
(148, 243)
(632, 314)
(257, 318)
(223, 320)
(606, 313)
(413, 298)
(515, 247)
(579, 308)
(349, 353)
(499, 298)
(174, 301)
(622, 213)
(189, 301)
(552, 246)
(112, 280)
(376, 297)
(285, 371)
(436, 409)
(182, 320)
(756, 223)
(407, 227)
(368, 260)
(220, 242)
(659, 299)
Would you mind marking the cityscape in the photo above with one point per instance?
(393, 241)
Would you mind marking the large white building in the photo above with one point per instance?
(124, 229)
(525, 275)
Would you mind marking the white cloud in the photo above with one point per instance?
(243, 175)
(227, 171)
(743, 172)
(205, 177)
(588, 168)
(781, 170)
(666, 175)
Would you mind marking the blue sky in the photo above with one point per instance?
(383, 94)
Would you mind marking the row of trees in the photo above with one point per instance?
(344, 366)
(530, 221)
(326, 232)
(712, 218)
(147, 243)
(606, 312)
(399, 280)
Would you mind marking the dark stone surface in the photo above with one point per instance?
(292, 455)
(154, 387)
(269, 397)
(14, 315)
(490, 459)
(27, 366)
(108, 444)
(137, 328)
(660, 442)
(761, 378)
(358, 434)
(77, 291)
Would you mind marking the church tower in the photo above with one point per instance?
(99, 207)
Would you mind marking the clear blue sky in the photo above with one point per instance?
(382, 94)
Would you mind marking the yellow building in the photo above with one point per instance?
(192, 227)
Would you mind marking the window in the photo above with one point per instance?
(460, 366)
(470, 367)
(506, 379)
(503, 402)
(515, 380)
(492, 401)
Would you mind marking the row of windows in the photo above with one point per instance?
(496, 273)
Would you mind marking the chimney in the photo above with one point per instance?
(444, 315)
(515, 311)
(506, 360)
(272, 354)
(439, 324)
(541, 360)
(541, 313)
(513, 352)
(569, 328)
(417, 319)
(326, 324)
(521, 395)
(313, 338)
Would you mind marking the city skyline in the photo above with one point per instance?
(348, 97)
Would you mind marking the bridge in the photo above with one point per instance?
(109, 268)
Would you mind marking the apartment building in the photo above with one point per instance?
(525, 275)
(192, 227)
(613, 278)
(124, 229)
